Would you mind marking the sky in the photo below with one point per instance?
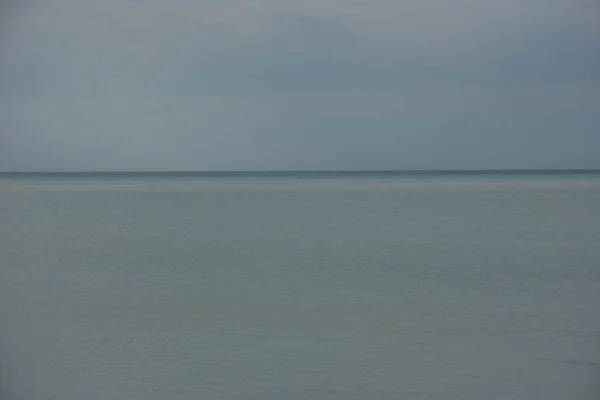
(299, 85)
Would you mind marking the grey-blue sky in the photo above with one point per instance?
(318, 84)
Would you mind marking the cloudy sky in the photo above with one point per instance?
(299, 84)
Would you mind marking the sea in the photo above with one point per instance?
(300, 285)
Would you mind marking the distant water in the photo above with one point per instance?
(299, 286)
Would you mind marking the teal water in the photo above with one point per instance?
(379, 286)
(398, 175)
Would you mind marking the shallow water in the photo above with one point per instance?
(269, 288)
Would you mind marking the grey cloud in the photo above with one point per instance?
(314, 55)
(284, 85)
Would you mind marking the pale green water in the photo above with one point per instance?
(258, 288)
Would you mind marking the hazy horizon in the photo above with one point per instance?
(301, 171)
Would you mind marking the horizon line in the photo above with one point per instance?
(324, 171)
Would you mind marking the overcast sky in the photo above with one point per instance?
(299, 84)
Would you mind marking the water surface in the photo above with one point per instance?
(376, 286)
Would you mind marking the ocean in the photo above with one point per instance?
(300, 286)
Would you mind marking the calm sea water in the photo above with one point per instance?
(276, 287)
